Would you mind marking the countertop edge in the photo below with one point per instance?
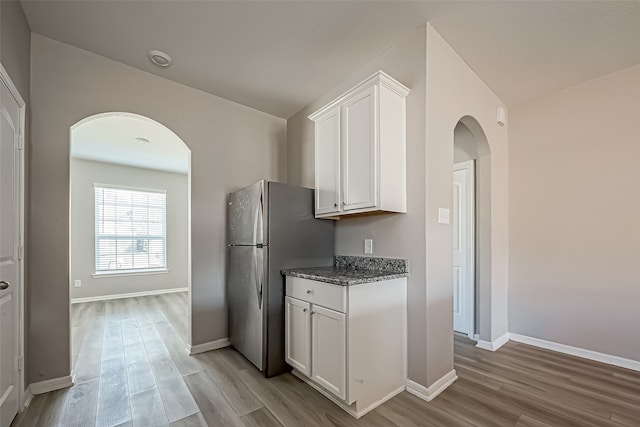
(345, 281)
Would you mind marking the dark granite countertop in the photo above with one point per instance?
(349, 270)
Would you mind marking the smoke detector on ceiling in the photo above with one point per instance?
(160, 58)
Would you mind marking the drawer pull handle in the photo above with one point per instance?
(309, 291)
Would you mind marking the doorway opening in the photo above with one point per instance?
(129, 240)
(472, 230)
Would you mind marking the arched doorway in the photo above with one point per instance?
(129, 239)
(472, 231)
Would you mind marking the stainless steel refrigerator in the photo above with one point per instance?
(270, 226)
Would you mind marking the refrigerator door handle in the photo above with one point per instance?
(258, 224)
(259, 276)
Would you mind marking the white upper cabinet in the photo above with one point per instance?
(360, 150)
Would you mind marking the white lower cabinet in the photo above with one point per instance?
(348, 342)
(328, 349)
(298, 335)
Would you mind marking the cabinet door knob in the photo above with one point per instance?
(304, 310)
(335, 205)
(313, 312)
(309, 291)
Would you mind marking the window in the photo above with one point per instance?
(130, 230)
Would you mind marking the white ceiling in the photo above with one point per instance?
(279, 56)
(111, 138)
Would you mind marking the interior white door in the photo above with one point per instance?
(463, 248)
(9, 247)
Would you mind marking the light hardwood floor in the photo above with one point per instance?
(132, 369)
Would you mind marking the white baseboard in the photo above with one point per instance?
(128, 295)
(49, 385)
(208, 346)
(579, 352)
(495, 344)
(431, 392)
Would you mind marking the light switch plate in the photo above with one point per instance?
(368, 246)
(77, 283)
(444, 216)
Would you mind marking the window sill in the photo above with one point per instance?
(118, 273)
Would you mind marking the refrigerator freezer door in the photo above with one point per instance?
(244, 290)
(245, 213)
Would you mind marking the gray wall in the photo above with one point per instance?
(574, 275)
(455, 93)
(231, 146)
(394, 235)
(15, 40)
(84, 174)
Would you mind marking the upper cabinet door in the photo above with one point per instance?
(327, 153)
(359, 150)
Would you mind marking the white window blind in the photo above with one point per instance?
(130, 230)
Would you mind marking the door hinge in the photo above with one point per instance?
(20, 363)
(21, 143)
(20, 252)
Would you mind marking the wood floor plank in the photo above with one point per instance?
(282, 393)
(220, 369)
(407, 410)
(30, 417)
(52, 412)
(176, 398)
(139, 373)
(82, 316)
(114, 407)
(80, 405)
(147, 409)
(526, 421)
(195, 420)
(260, 418)
(87, 366)
(279, 400)
(213, 406)
(177, 349)
(171, 308)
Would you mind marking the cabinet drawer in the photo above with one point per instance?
(323, 294)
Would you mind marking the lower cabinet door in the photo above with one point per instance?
(298, 334)
(329, 358)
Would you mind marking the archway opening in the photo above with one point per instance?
(472, 230)
(129, 238)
